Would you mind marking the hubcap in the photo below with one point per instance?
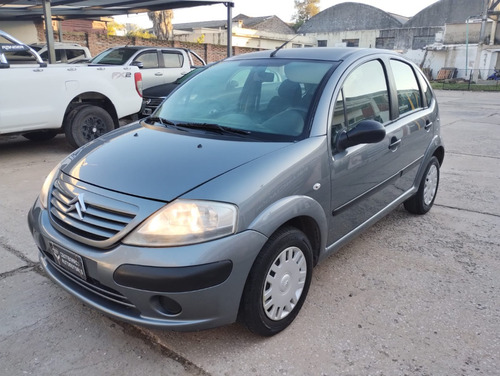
(284, 283)
(430, 185)
(92, 128)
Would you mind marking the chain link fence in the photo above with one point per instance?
(467, 79)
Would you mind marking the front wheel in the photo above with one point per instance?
(278, 282)
(423, 200)
(86, 123)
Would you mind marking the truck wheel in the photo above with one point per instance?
(40, 135)
(278, 282)
(422, 201)
(86, 123)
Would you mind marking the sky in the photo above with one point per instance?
(284, 9)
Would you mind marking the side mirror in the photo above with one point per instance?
(139, 64)
(366, 132)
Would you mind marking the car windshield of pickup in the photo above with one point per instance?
(114, 56)
(266, 99)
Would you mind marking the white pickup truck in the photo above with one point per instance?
(39, 100)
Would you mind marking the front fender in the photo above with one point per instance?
(288, 209)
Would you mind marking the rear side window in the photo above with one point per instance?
(426, 89)
(172, 60)
(409, 98)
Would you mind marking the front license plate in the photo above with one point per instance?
(68, 260)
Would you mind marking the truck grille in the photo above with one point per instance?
(88, 217)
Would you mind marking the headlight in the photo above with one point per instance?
(44, 193)
(185, 222)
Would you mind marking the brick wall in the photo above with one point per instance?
(98, 42)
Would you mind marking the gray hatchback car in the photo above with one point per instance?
(219, 205)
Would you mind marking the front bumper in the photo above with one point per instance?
(180, 288)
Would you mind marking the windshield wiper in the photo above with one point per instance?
(162, 121)
(221, 129)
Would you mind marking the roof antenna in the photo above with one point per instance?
(283, 45)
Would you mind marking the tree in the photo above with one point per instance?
(162, 23)
(114, 28)
(305, 10)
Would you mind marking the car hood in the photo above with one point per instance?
(159, 164)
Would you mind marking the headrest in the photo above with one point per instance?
(289, 89)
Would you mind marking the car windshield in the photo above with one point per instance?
(266, 99)
(115, 56)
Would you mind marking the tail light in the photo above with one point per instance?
(138, 82)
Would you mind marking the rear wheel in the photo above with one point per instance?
(278, 282)
(86, 123)
(423, 200)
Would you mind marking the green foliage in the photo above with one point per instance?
(201, 39)
(141, 33)
(114, 27)
(305, 10)
(487, 86)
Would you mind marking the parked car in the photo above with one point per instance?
(158, 65)
(247, 176)
(65, 52)
(153, 96)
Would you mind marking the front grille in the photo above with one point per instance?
(91, 285)
(153, 102)
(86, 216)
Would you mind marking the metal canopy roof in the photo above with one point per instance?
(16, 10)
(20, 10)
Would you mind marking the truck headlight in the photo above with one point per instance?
(44, 193)
(185, 222)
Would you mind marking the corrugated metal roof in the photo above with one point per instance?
(16, 10)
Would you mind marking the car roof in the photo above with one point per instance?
(138, 48)
(316, 53)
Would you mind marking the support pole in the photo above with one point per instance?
(484, 19)
(229, 28)
(49, 31)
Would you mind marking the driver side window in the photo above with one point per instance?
(363, 96)
(149, 59)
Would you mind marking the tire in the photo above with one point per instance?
(278, 282)
(86, 123)
(41, 135)
(423, 200)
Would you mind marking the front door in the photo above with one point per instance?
(364, 177)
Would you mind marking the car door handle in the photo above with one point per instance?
(394, 143)
(428, 125)
(158, 74)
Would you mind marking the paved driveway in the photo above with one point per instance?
(415, 295)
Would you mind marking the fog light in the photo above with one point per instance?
(166, 305)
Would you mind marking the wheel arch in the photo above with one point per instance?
(301, 212)
(439, 154)
(95, 99)
(435, 149)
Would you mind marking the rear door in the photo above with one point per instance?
(174, 65)
(414, 115)
(152, 71)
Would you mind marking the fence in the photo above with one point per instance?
(467, 79)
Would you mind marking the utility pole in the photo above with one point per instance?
(484, 20)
